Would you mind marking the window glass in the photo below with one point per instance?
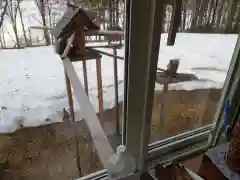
(37, 135)
(189, 99)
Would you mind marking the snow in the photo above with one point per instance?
(32, 82)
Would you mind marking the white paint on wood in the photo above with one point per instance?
(100, 140)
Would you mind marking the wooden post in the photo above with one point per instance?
(72, 122)
(30, 37)
(85, 75)
(99, 81)
(98, 135)
(162, 110)
(116, 91)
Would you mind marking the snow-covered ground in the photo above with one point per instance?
(32, 82)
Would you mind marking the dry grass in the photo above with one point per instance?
(183, 111)
(48, 152)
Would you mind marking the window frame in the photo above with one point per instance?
(139, 96)
(229, 88)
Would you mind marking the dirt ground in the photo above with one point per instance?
(183, 111)
(49, 152)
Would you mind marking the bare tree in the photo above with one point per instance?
(3, 37)
(1, 41)
(3, 10)
(214, 11)
(41, 5)
(236, 19)
(12, 10)
(232, 6)
(117, 12)
(219, 12)
(20, 10)
(195, 13)
(183, 19)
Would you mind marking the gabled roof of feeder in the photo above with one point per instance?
(64, 26)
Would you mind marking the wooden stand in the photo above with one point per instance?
(72, 123)
(84, 65)
(99, 81)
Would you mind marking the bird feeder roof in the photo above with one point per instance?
(66, 23)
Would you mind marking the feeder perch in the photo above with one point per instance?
(170, 75)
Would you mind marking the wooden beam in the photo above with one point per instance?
(99, 81)
(116, 91)
(88, 33)
(107, 54)
(181, 77)
(104, 33)
(85, 75)
(106, 46)
(40, 27)
(100, 140)
(162, 109)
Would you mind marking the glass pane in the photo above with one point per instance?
(190, 99)
(38, 139)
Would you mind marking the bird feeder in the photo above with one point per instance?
(70, 34)
(75, 22)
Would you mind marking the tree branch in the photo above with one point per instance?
(33, 16)
(3, 13)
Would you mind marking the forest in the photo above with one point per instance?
(197, 16)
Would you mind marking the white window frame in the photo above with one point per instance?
(141, 57)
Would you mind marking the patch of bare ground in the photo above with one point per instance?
(49, 152)
(183, 111)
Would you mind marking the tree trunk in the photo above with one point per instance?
(223, 17)
(1, 41)
(236, 25)
(117, 13)
(3, 37)
(110, 13)
(22, 23)
(30, 37)
(114, 12)
(219, 13)
(214, 13)
(230, 15)
(50, 22)
(195, 14)
(3, 13)
(203, 7)
(41, 7)
(45, 32)
(183, 20)
(209, 11)
(16, 34)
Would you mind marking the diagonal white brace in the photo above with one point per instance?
(99, 137)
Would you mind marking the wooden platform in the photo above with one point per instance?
(88, 55)
(181, 77)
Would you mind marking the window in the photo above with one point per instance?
(190, 102)
(125, 96)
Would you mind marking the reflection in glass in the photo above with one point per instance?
(192, 103)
